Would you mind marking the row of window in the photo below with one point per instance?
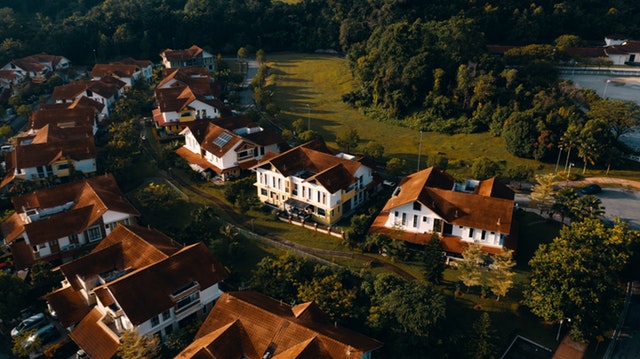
(166, 315)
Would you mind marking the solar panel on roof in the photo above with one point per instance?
(222, 139)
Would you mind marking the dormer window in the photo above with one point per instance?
(417, 206)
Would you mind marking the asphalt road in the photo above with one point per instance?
(628, 345)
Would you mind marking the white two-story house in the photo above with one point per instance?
(183, 96)
(38, 67)
(430, 201)
(309, 182)
(135, 279)
(227, 146)
(105, 91)
(50, 153)
(193, 56)
(57, 223)
(128, 70)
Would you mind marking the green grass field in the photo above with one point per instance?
(310, 87)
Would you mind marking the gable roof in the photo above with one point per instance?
(87, 201)
(141, 268)
(315, 163)
(250, 324)
(489, 207)
(62, 116)
(80, 102)
(182, 55)
(114, 69)
(50, 144)
(94, 337)
(106, 87)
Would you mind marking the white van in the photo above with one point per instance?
(33, 322)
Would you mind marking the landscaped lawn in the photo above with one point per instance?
(310, 87)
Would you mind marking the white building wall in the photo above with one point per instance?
(85, 166)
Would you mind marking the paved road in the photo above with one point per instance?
(628, 344)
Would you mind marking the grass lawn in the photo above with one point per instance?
(310, 87)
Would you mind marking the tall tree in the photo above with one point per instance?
(331, 295)
(471, 267)
(543, 192)
(577, 276)
(348, 139)
(433, 260)
(621, 116)
(564, 201)
(481, 342)
(586, 207)
(501, 274)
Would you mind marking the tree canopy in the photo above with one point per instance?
(577, 276)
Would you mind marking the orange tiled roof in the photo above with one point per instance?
(332, 172)
(117, 70)
(249, 324)
(62, 117)
(69, 305)
(487, 209)
(90, 199)
(182, 55)
(95, 339)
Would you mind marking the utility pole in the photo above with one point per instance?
(419, 151)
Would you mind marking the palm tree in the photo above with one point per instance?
(586, 207)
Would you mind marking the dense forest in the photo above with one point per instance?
(423, 64)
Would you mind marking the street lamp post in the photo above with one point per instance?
(569, 171)
(560, 327)
(606, 86)
(558, 161)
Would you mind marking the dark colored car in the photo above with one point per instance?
(591, 189)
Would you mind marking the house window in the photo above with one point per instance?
(483, 236)
(186, 301)
(74, 239)
(155, 321)
(321, 212)
(415, 221)
(396, 214)
(416, 206)
(263, 191)
(470, 232)
(94, 233)
(404, 219)
(324, 198)
(166, 315)
(425, 219)
(42, 246)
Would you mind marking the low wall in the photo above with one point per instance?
(314, 227)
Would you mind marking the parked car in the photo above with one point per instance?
(46, 334)
(33, 322)
(80, 354)
(591, 189)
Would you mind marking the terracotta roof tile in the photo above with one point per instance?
(157, 281)
(93, 336)
(332, 172)
(255, 324)
(62, 117)
(69, 306)
(182, 55)
(119, 70)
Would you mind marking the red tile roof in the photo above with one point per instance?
(94, 337)
(69, 305)
(62, 116)
(182, 55)
(332, 172)
(248, 324)
(116, 70)
(88, 200)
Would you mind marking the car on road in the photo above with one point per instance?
(591, 189)
(33, 322)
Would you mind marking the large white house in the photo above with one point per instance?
(193, 56)
(310, 182)
(37, 67)
(135, 279)
(430, 201)
(105, 91)
(57, 223)
(227, 146)
(51, 152)
(128, 70)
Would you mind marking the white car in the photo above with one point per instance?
(33, 322)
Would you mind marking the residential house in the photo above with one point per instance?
(51, 153)
(38, 67)
(183, 96)
(128, 71)
(80, 102)
(191, 57)
(430, 201)
(227, 146)
(253, 326)
(57, 223)
(135, 279)
(9, 78)
(106, 91)
(623, 52)
(309, 182)
(59, 115)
